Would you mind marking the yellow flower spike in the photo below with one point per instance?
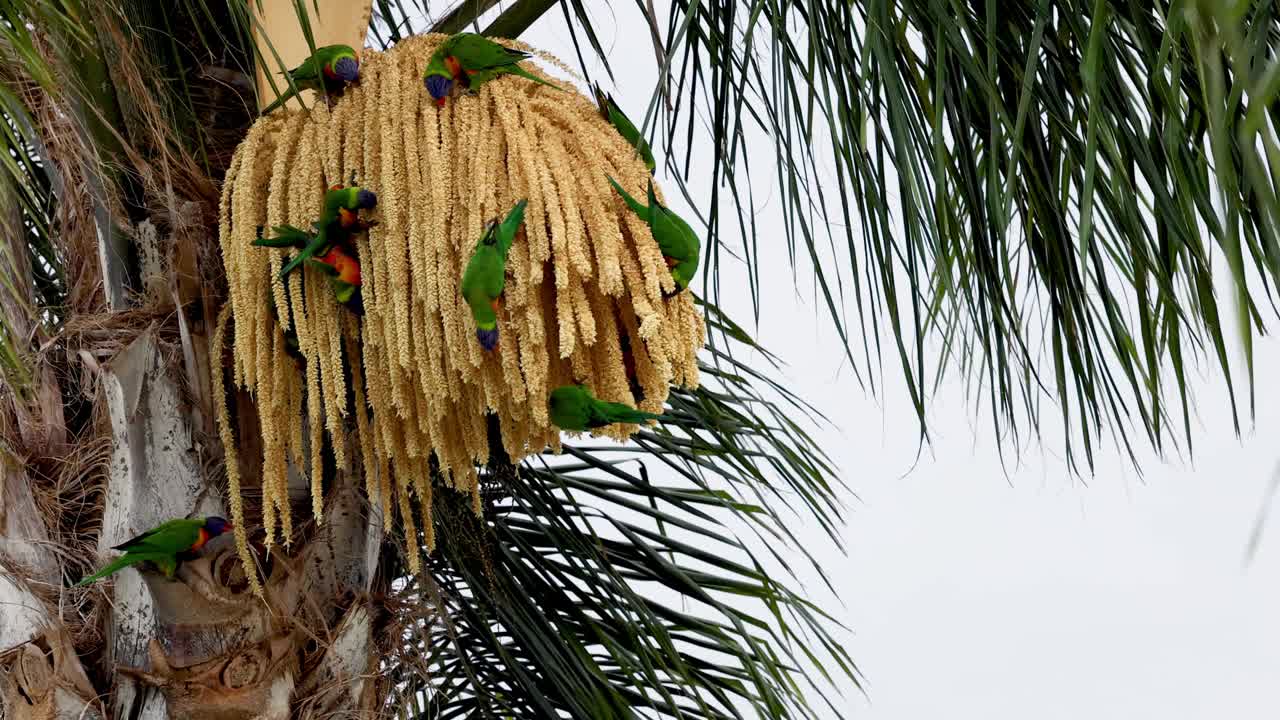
(583, 271)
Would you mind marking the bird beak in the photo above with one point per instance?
(440, 102)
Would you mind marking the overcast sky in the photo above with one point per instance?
(979, 594)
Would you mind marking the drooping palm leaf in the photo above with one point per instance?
(1023, 192)
(591, 591)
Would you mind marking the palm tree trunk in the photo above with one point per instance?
(40, 674)
(203, 645)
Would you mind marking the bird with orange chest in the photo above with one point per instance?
(339, 221)
(471, 60)
(164, 546)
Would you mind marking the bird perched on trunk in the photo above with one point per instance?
(573, 407)
(611, 112)
(472, 60)
(164, 546)
(343, 270)
(486, 275)
(339, 220)
(330, 68)
(679, 244)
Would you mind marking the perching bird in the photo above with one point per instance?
(331, 67)
(165, 545)
(340, 219)
(472, 60)
(573, 407)
(343, 270)
(679, 244)
(486, 274)
(611, 112)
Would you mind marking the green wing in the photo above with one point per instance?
(483, 282)
(597, 415)
(308, 71)
(674, 236)
(625, 127)
(619, 413)
(320, 242)
(164, 560)
(172, 538)
(507, 230)
(285, 236)
(475, 52)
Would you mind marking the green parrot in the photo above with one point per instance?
(340, 219)
(472, 60)
(611, 112)
(165, 545)
(679, 244)
(331, 67)
(573, 407)
(486, 274)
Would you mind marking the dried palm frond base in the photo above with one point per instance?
(584, 277)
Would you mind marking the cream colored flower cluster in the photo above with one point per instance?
(583, 273)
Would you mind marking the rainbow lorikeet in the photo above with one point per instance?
(165, 546)
(343, 270)
(611, 112)
(486, 274)
(339, 219)
(679, 244)
(573, 407)
(329, 68)
(472, 60)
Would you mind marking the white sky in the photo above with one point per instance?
(973, 594)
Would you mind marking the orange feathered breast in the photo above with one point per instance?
(202, 538)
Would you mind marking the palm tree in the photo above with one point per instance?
(1032, 194)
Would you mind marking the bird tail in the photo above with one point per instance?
(284, 97)
(285, 236)
(510, 224)
(526, 74)
(114, 566)
(316, 246)
(636, 207)
(620, 413)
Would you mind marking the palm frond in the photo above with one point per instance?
(588, 590)
(1021, 192)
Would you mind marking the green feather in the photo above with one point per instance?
(327, 229)
(573, 407)
(310, 74)
(285, 236)
(486, 274)
(674, 236)
(160, 545)
(611, 112)
(507, 229)
(481, 59)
